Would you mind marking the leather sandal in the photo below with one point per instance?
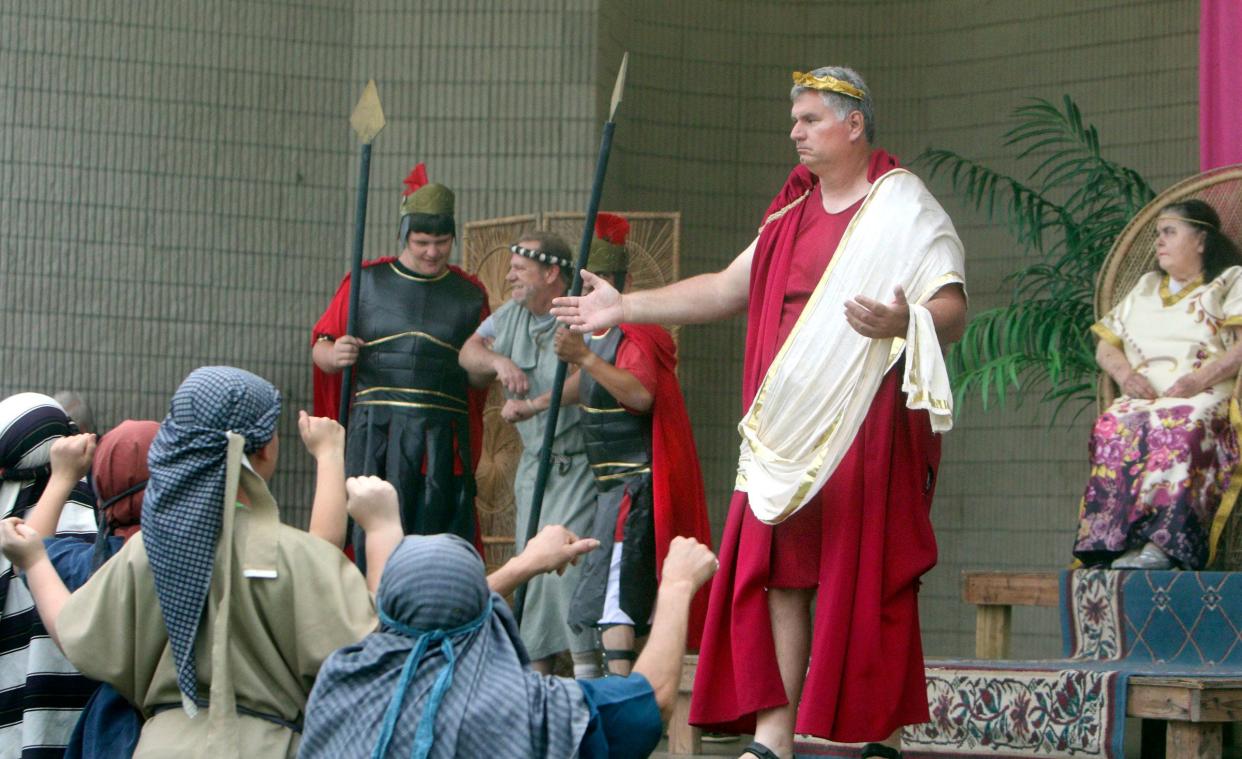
(881, 751)
(760, 750)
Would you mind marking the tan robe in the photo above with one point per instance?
(279, 632)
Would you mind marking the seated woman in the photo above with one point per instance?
(1163, 454)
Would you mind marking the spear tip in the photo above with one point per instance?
(619, 88)
(368, 116)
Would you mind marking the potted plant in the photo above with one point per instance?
(1067, 212)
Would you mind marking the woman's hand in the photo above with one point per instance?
(1138, 386)
(1186, 386)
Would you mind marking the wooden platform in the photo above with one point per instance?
(1185, 714)
(1182, 716)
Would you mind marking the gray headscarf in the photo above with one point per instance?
(446, 674)
(184, 504)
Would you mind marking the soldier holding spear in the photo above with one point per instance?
(412, 419)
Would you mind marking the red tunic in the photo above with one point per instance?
(869, 526)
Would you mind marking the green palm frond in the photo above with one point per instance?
(1072, 205)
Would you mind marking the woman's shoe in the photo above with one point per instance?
(1150, 558)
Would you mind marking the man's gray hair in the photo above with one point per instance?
(77, 409)
(842, 105)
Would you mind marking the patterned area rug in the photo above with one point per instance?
(1114, 624)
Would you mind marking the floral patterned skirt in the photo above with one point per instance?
(1158, 472)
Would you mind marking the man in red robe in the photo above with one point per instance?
(858, 546)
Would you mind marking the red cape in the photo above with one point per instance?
(680, 506)
(866, 666)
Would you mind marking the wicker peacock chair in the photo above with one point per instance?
(1134, 254)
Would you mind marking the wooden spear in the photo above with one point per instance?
(558, 383)
(367, 121)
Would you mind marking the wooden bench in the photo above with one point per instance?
(1187, 715)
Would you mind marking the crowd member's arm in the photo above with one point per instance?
(325, 440)
(71, 460)
(484, 365)
(24, 547)
(1114, 363)
(373, 505)
(552, 550)
(882, 320)
(687, 566)
(705, 298)
(622, 385)
(331, 356)
(1219, 369)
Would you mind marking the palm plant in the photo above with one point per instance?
(1068, 211)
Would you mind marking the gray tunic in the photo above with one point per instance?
(570, 496)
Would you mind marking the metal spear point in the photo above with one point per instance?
(367, 121)
(558, 384)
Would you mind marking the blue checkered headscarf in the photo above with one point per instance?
(183, 508)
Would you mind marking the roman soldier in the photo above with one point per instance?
(413, 420)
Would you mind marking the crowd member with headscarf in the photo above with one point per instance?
(277, 601)
(248, 608)
(109, 725)
(36, 712)
(447, 675)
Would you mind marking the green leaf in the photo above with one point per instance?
(1042, 337)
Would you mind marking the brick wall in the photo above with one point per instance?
(180, 181)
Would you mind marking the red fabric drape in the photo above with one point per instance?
(1220, 71)
(677, 482)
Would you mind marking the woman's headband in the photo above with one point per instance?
(1171, 217)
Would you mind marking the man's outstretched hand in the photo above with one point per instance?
(874, 319)
(590, 313)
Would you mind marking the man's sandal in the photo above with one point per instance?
(881, 751)
(759, 750)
